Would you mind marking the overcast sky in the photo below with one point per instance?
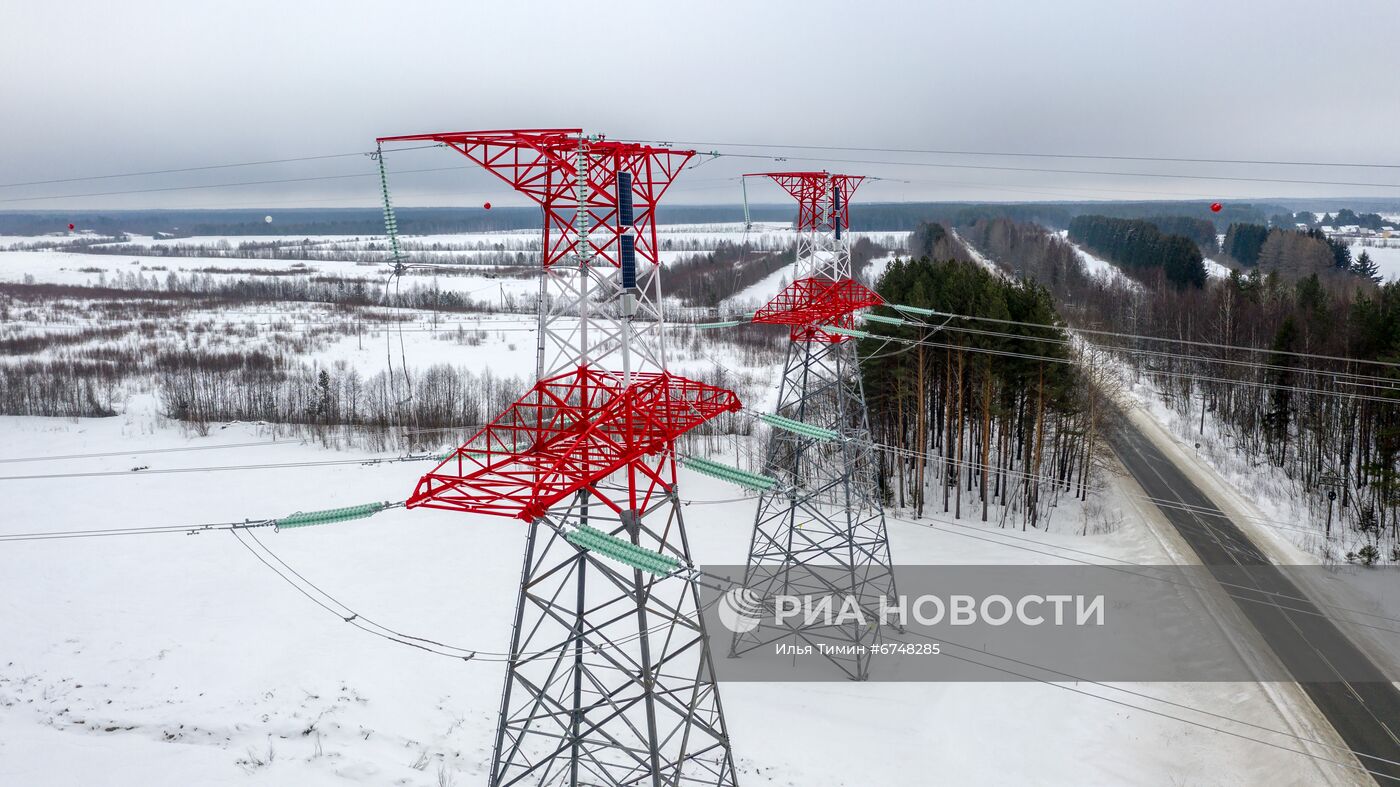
(93, 88)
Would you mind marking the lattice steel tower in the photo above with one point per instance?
(822, 531)
(610, 679)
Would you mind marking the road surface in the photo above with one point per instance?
(1366, 714)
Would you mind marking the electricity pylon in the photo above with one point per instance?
(822, 531)
(609, 679)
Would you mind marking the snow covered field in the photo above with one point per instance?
(1387, 256)
(177, 659)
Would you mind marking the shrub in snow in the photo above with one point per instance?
(1366, 556)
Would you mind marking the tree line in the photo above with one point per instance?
(202, 388)
(1200, 231)
(1301, 395)
(1142, 249)
(969, 417)
(1293, 251)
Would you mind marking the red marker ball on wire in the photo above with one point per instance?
(487, 206)
(70, 227)
(1215, 207)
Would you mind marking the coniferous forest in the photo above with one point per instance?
(1142, 249)
(985, 420)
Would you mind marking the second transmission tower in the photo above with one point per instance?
(822, 531)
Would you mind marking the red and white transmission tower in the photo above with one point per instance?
(822, 532)
(610, 678)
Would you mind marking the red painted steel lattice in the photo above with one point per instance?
(808, 303)
(812, 190)
(542, 165)
(566, 433)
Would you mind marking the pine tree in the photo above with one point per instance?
(1276, 420)
(1366, 268)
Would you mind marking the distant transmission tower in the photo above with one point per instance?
(610, 680)
(824, 531)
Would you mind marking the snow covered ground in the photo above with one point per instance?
(177, 659)
(65, 267)
(1216, 270)
(979, 258)
(1387, 256)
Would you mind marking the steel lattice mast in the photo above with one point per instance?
(610, 679)
(824, 532)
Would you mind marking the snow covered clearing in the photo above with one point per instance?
(1386, 253)
(1097, 266)
(1215, 269)
(174, 659)
(179, 659)
(877, 268)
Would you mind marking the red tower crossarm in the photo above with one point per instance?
(811, 302)
(566, 433)
(542, 164)
(812, 190)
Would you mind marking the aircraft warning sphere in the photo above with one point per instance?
(267, 219)
(70, 227)
(487, 206)
(1215, 207)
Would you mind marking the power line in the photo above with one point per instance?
(224, 185)
(125, 531)
(989, 167)
(144, 451)
(353, 618)
(882, 447)
(972, 465)
(1007, 154)
(269, 466)
(1352, 378)
(208, 167)
(1144, 337)
(770, 157)
(1162, 714)
(1069, 361)
(1172, 374)
(1227, 586)
(195, 529)
(1068, 676)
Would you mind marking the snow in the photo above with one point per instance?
(980, 258)
(180, 659)
(1387, 257)
(175, 659)
(877, 268)
(73, 268)
(1216, 270)
(764, 289)
(1097, 266)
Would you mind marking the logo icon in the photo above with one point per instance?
(740, 610)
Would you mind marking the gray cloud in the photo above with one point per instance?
(95, 88)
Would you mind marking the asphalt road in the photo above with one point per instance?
(1366, 714)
